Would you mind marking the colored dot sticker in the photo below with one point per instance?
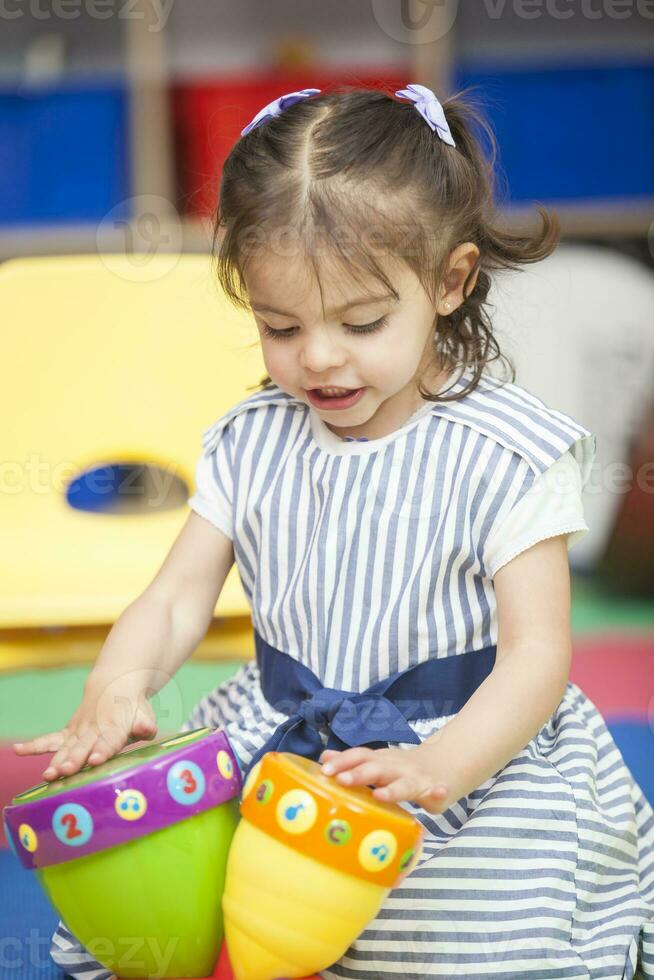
(224, 764)
(251, 779)
(264, 791)
(377, 850)
(72, 824)
(28, 838)
(186, 783)
(338, 832)
(130, 804)
(296, 811)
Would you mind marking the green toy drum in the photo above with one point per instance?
(132, 853)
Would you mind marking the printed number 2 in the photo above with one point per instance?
(70, 822)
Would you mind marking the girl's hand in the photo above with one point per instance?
(110, 715)
(397, 774)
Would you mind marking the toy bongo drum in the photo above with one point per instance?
(132, 853)
(310, 865)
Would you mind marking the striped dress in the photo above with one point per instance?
(361, 558)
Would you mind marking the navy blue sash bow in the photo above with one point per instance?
(374, 717)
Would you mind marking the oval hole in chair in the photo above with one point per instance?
(126, 488)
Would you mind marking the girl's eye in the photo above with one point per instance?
(364, 328)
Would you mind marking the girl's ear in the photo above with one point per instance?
(462, 260)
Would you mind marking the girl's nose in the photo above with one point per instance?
(320, 354)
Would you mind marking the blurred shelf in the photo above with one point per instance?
(146, 51)
(620, 218)
(186, 235)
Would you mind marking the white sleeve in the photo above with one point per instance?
(551, 506)
(214, 485)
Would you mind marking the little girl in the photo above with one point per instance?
(400, 520)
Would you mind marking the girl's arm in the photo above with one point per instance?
(534, 651)
(146, 646)
(507, 710)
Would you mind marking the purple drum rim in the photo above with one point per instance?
(215, 778)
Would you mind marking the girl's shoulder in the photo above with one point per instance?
(270, 397)
(509, 415)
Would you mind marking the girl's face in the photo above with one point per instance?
(364, 339)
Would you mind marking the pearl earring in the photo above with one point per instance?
(447, 305)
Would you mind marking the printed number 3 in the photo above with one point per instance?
(190, 784)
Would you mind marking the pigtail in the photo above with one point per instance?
(465, 337)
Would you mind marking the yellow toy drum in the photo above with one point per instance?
(132, 853)
(310, 865)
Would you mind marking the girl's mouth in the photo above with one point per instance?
(329, 402)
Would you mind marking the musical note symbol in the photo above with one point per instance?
(130, 800)
(131, 804)
(291, 812)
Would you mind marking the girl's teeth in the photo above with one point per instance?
(335, 391)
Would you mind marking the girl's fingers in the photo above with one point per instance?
(44, 743)
(403, 788)
(347, 759)
(101, 750)
(365, 774)
(106, 745)
(72, 754)
(60, 757)
(406, 788)
(434, 793)
(145, 725)
(99, 753)
(77, 754)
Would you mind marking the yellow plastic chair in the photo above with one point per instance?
(107, 359)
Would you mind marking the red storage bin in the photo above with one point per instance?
(209, 114)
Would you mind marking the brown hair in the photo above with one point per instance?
(363, 162)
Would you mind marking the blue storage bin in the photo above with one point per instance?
(63, 153)
(570, 132)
